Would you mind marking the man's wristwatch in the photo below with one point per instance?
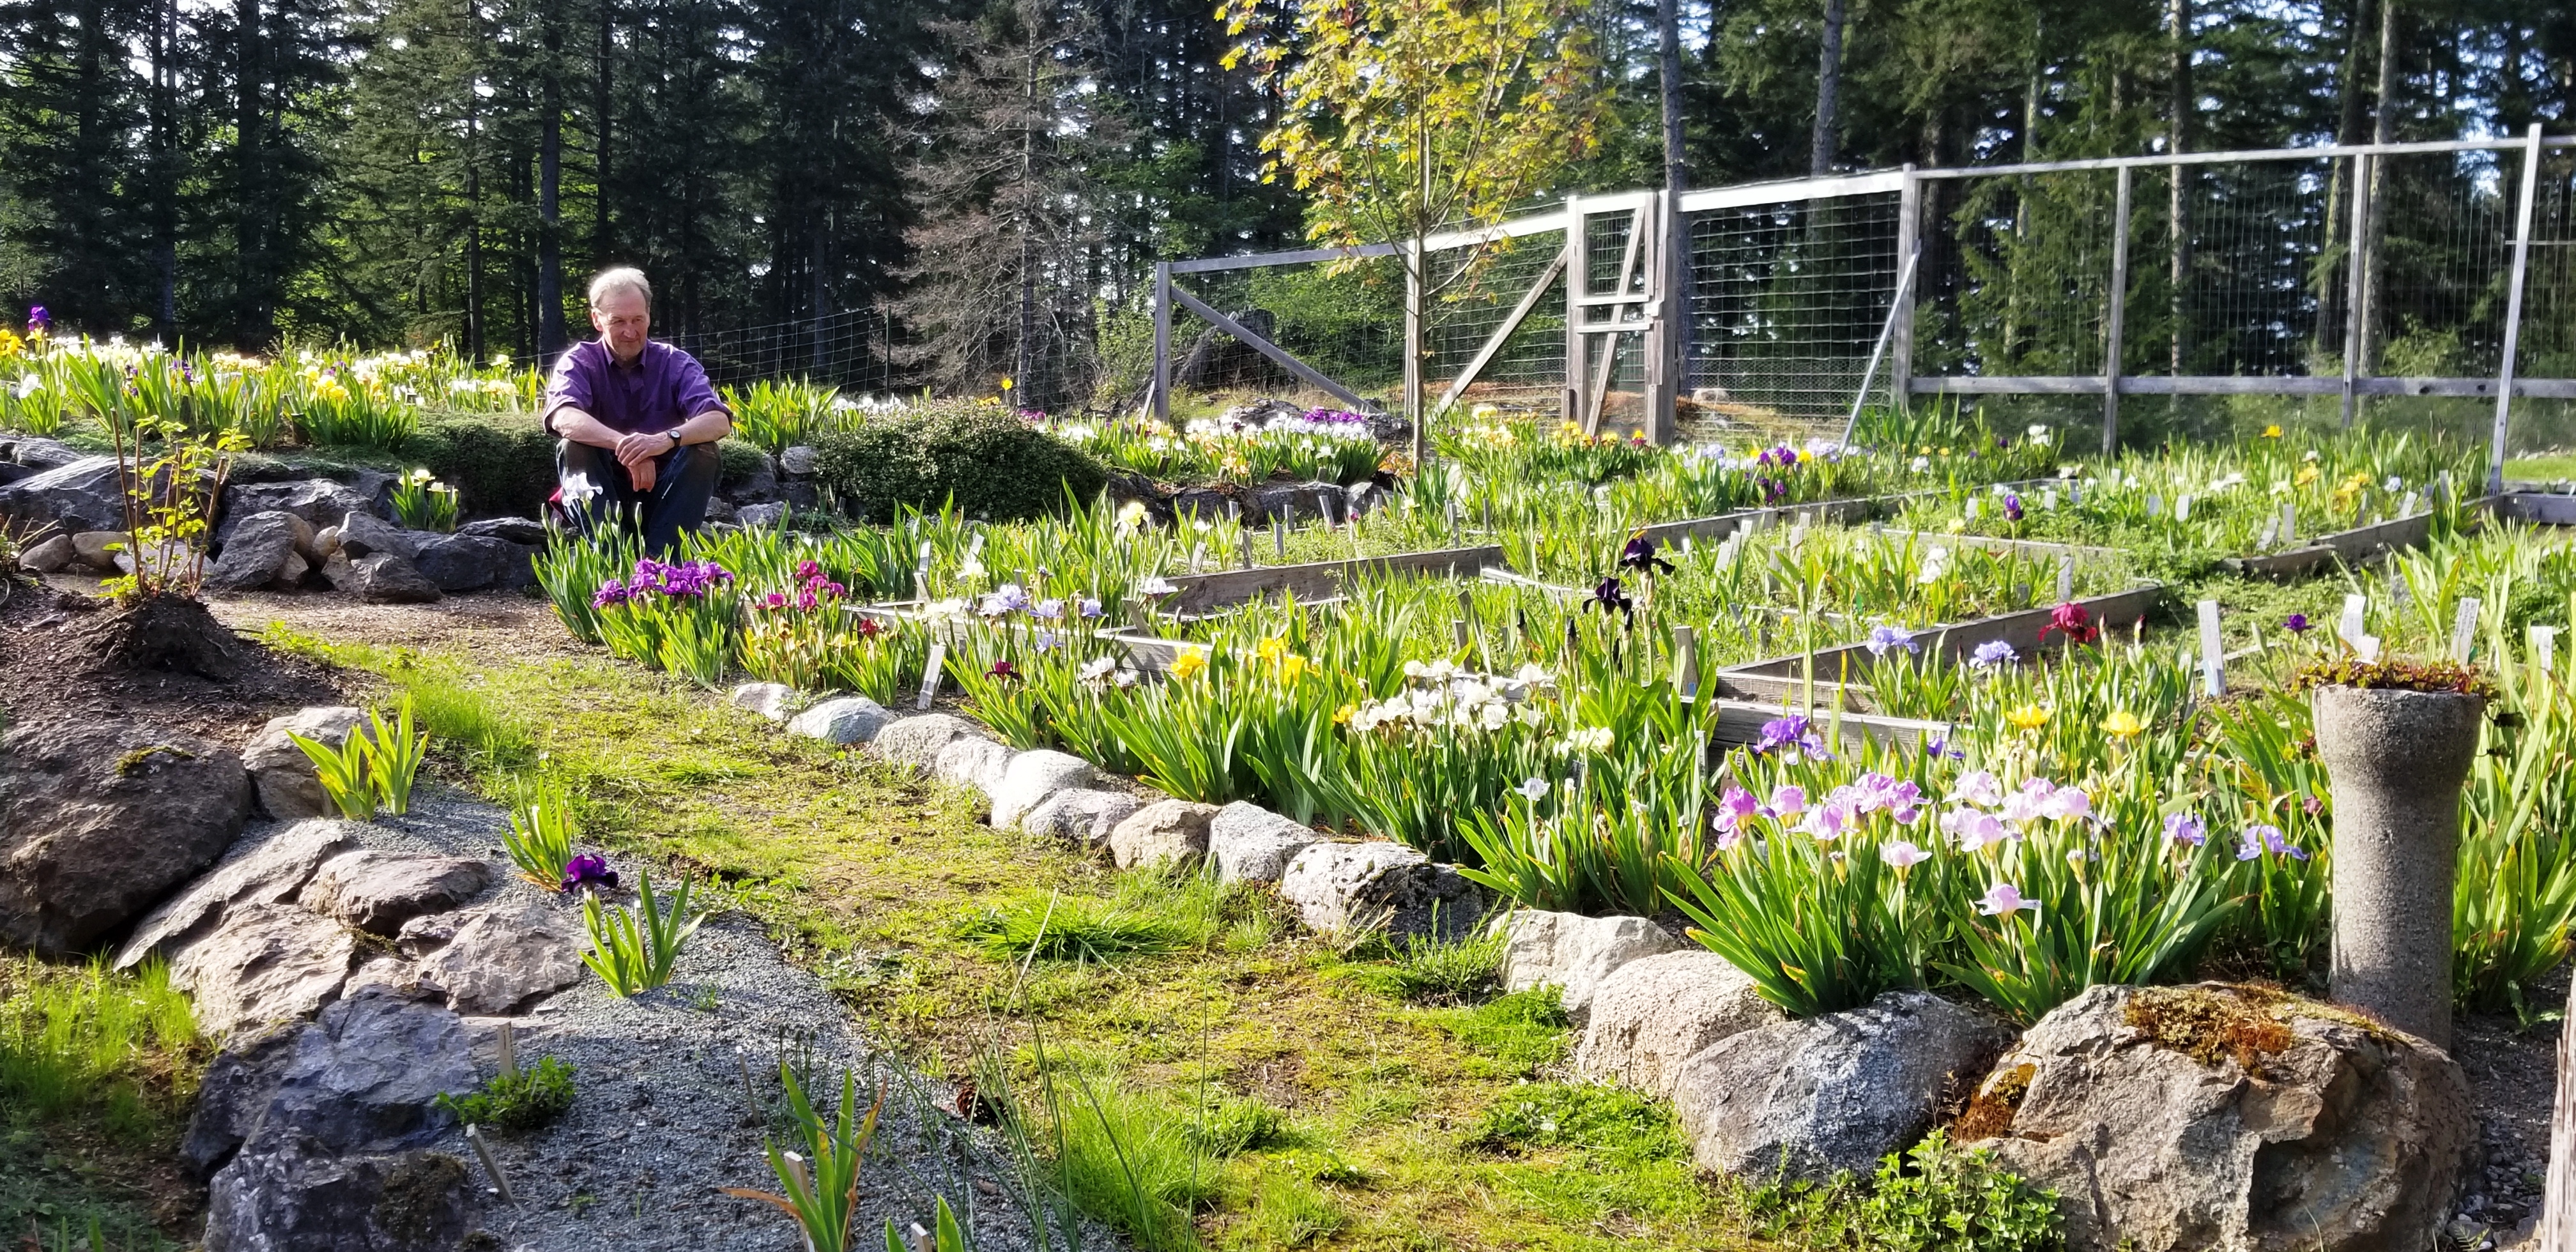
(674, 433)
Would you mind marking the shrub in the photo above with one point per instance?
(985, 458)
(516, 1102)
(741, 461)
(501, 464)
(1941, 1198)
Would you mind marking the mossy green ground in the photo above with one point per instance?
(1382, 1123)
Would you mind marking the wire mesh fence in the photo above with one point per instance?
(2193, 296)
(849, 350)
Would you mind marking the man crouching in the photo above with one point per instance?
(637, 420)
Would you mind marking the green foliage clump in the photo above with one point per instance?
(87, 1039)
(1226, 1126)
(516, 1103)
(987, 460)
(1571, 1115)
(501, 464)
(1436, 969)
(1941, 1198)
(2397, 675)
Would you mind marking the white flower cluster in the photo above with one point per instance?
(1441, 694)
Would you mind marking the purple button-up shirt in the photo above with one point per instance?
(663, 388)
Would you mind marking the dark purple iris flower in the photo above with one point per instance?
(1640, 556)
(1607, 597)
(588, 870)
(2012, 507)
(38, 320)
(2297, 624)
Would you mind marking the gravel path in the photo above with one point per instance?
(663, 1117)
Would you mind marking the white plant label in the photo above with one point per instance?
(2182, 509)
(2348, 626)
(2289, 522)
(930, 676)
(2544, 647)
(2407, 507)
(2065, 577)
(2048, 499)
(2271, 535)
(1198, 556)
(2464, 629)
(1453, 523)
(2213, 651)
(2155, 505)
(1279, 538)
(1973, 502)
(1685, 664)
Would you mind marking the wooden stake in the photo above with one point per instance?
(492, 1166)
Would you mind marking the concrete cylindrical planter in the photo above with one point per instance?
(2396, 760)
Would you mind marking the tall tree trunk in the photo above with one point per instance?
(2339, 185)
(165, 198)
(550, 318)
(250, 314)
(1829, 89)
(1668, 27)
(473, 191)
(2180, 107)
(603, 111)
(1022, 369)
(2383, 128)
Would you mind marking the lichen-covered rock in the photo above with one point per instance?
(976, 763)
(264, 963)
(497, 959)
(916, 741)
(1834, 1092)
(1081, 817)
(1574, 953)
(771, 700)
(289, 787)
(2171, 1118)
(1033, 776)
(101, 819)
(378, 891)
(1166, 832)
(1654, 1012)
(273, 871)
(1252, 844)
(843, 719)
(1342, 888)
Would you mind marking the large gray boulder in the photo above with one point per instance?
(387, 578)
(257, 549)
(1166, 832)
(2171, 1118)
(100, 819)
(1033, 776)
(318, 502)
(1080, 817)
(462, 562)
(273, 872)
(1252, 844)
(364, 534)
(85, 495)
(503, 956)
(263, 964)
(1575, 953)
(233, 1095)
(1341, 888)
(917, 741)
(1834, 1092)
(37, 452)
(841, 720)
(377, 891)
(976, 763)
(297, 1201)
(289, 787)
(365, 1076)
(1653, 1012)
(521, 531)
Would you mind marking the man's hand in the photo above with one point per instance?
(642, 472)
(638, 451)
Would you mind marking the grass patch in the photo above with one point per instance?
(1254, 1086)
(97, 1070)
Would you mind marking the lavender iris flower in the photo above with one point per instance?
(1991, 653)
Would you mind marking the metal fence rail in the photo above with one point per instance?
(2339, 276)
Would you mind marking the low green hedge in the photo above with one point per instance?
(501, 464)
(983, 457)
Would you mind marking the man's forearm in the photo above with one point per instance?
(706, 427)
(580, 427)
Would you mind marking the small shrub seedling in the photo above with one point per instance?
(515, 1103)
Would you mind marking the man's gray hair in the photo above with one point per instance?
(624, 277)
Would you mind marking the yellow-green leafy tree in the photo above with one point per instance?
(1401, 118)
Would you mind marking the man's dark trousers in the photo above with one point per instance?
(684, 479)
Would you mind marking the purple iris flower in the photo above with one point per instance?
(38, 320)
(1607, 597)
(1884, 639)
(2259, 839)
(1991, 653)
(2297, 623)
(1640, 556)
(2186, 828)
(2012, 507)
(588, 870)
(1792, 736)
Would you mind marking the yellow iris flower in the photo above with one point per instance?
(1189, 664)
(2123, 724)
(2028, 717)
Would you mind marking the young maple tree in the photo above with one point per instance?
(1404, 117)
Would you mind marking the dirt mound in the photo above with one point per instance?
(167, 662)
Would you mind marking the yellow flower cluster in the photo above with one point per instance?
(10, 344)
(1286, 664)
